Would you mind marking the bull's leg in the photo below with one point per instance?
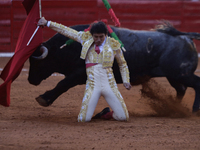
(76, 78)
(194, 82)
(180, 89)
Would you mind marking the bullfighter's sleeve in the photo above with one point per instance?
(122, 66)
(64, 30)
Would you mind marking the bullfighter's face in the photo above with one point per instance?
(98, 38)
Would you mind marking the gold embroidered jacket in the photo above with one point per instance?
(111, 49)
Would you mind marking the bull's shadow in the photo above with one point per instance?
(165, 52)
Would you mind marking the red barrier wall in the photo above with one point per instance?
(133, 14)
(5, 26)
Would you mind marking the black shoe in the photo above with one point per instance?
(103, 112)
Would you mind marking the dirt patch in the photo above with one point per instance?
(163, 102)
(156, 121)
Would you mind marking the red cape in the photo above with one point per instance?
(22, 52)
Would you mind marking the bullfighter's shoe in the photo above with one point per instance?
(43, 102)
(103, 112)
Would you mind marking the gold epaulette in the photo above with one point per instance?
(86, 36)
(114, 44)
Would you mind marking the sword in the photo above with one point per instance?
(40, 10)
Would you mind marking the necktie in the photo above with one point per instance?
(97, 49)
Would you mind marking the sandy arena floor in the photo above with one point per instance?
(155, 124)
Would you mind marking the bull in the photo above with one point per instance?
(164, 52)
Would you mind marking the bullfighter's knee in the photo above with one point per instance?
(121, 117)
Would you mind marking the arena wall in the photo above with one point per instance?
(133, 14)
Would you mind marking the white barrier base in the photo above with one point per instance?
(11, 54)
(6, 54)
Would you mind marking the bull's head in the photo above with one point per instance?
(49, 58)
(40, 68)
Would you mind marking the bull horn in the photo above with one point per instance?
(44, 51)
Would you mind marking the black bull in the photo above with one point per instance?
(162, 53)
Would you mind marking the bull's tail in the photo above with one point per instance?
(167, 28)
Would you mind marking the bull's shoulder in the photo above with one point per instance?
(114, 44)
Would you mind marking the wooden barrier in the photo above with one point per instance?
(144, 15)
(5, 26)
(133, 14)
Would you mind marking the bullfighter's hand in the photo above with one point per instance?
(42, 22)
(127, 86)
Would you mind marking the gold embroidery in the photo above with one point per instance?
(87, 95)
(122, 66)
(115, 45)
(64, 30)
(114, 88)
(85, 48)
(93, 57)
(107, 55)
(100, 58)
(86, 36)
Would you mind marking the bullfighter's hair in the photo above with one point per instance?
(99, 27)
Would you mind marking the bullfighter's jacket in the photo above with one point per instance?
(111, 49)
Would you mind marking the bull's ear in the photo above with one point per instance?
(44, 54)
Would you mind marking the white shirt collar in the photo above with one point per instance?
(101, 46)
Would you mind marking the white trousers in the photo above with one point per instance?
(101, 82)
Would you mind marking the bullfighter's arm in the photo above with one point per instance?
(66, 31)
(122, 66)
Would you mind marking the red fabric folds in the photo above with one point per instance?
(22, 52)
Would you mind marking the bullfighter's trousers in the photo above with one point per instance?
(101, 82)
